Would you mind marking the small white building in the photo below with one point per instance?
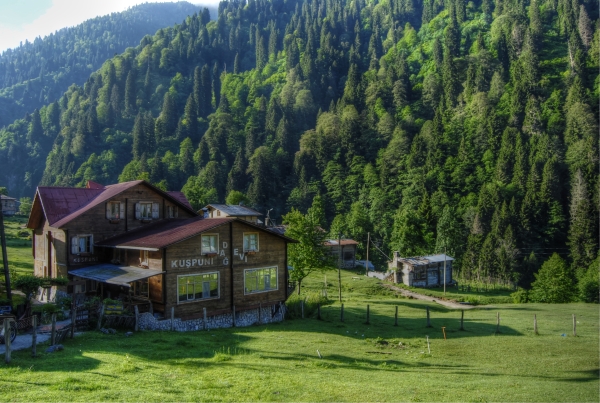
(422, 271)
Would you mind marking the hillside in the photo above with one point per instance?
(39, 72)
(465, 126)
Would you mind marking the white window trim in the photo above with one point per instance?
(263, 291)
(109, 210)
(201, 244)
(257, 242)
(77, 237)
(187, 301)
(154, 210)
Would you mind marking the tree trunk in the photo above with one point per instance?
(299, 284)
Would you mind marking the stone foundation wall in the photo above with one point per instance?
(242, 319)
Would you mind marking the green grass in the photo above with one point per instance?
(18, 242)
(18, 245)
(360, 362)
(476, 297)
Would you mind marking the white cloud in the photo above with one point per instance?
(62, 14)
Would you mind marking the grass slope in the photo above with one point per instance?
(18, 242)
(361, 362)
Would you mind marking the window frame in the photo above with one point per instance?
(109, 210)
(244, 242)
(142, 216)
(194, 299)
(202, 251)
(76, 240)
(247, 271)
(420, 273)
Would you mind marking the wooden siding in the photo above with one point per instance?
(49, 251)
(186, 258)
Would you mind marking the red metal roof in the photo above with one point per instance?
(164, 233)
(104, 194)
(180, 197)
(62, 204)
(171, 231)
(59, 202)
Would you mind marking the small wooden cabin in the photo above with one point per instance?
(422, 271)
(9, 205)
(343, 252)
(132, 239)
(228, 210)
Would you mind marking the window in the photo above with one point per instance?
(115, 210)
(250, 242)
(420, 273)
(82, 244)
(218, 213)
(260, 280)
(172, 212)
(144, 258)
(197, 286)
(209, 244)
(146, 211)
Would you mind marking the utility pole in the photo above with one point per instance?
(5, 256)
(367, 263)
(444, 268)
(340, 267)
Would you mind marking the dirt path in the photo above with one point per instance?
(23, 341)
(446, 303)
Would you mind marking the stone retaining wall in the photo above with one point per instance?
(242, 319)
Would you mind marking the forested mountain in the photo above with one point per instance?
(470, 126)
(38, 73)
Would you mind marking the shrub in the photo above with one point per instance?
(28, 284)
(311, 300)
(553, 282)
(589, 283)
(520, 296)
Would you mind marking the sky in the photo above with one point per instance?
(27, 19)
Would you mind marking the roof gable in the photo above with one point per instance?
(168, 232)
(61, 205)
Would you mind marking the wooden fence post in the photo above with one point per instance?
(73, 317)
(259, 309)
(172, 318)
(151, 309)
(319, 311)
(396, 317)
(205, 319)
(428, 320)
(53, 334)
(7, 340)
(535, 329)
(574, 326)
(368, 315)
(462, 318)
(342, 313)
(137, 318)
(233, 316)
(99, 325)
(34, 336)
(497, 322)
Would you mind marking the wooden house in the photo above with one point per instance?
(9, 205)
(136, 241)
(228, 210)
(422, 271)
(343, 252)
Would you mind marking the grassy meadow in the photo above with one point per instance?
(18, 245)
(18, 242)
(360, 362)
